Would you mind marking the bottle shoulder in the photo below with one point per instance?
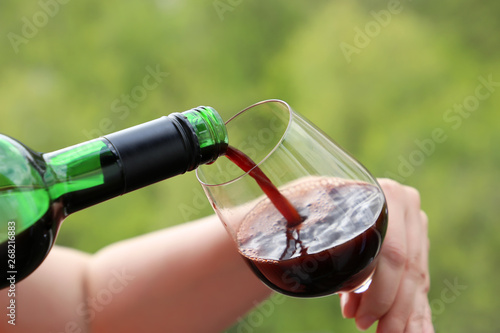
(23, 195)
(19, 166)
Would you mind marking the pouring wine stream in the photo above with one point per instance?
(279, 201)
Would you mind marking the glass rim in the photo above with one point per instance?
(257, 164)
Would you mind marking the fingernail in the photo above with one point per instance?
(365, 322)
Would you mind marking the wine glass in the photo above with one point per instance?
(332, 244)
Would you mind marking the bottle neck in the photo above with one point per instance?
(100, 169)
(83, 175)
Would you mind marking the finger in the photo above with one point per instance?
(399, 314)
(425, 249)
(349, 303)
(428, 327)
(427, 320)
(420, 319)
(378, 299)
(415, 322)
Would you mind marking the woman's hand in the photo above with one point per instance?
(397, 297)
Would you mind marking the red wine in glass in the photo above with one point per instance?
(319, 236)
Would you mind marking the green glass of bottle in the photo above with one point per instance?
(38, 191)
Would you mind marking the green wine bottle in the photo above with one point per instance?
(37, 191)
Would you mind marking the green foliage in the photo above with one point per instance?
(382, 102)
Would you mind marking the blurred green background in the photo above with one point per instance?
(410, 88)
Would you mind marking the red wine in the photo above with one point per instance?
(332, 250)
(279, 201)
(30, 247)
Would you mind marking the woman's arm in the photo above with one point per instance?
(188, 278)
(47, 300)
